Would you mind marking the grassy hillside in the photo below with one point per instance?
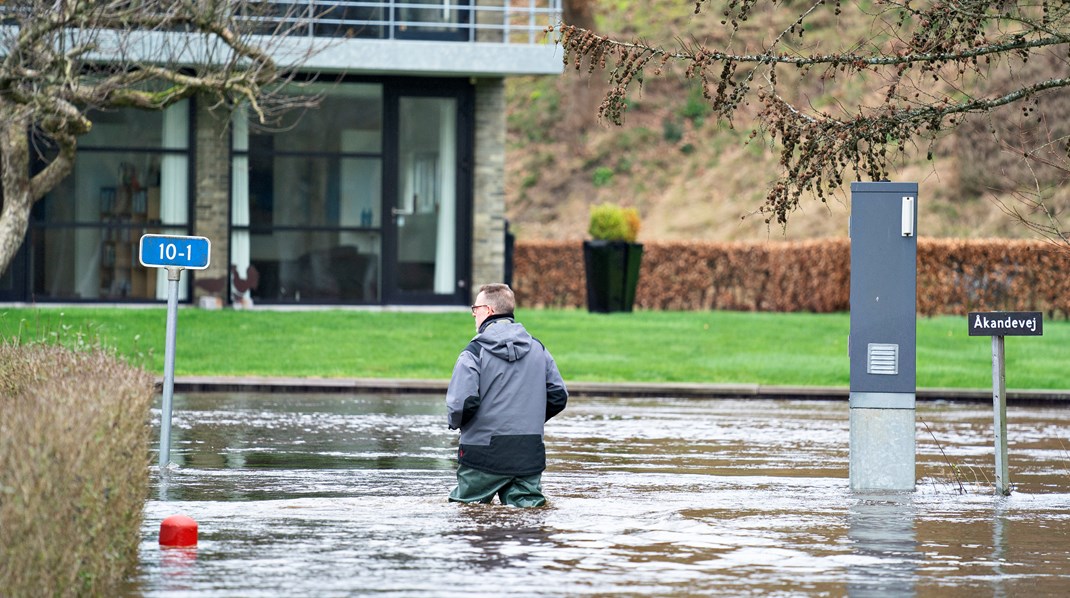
(693, 177)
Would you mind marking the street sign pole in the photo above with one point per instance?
(999, 324)
(175, 253)
(173, 277)
(999, 404)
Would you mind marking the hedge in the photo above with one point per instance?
(954, 276)
(74, 467)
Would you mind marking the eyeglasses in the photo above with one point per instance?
(475, 307)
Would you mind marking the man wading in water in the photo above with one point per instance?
(505, 386)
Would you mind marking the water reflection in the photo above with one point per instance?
(177, 566)
(342, 496)
(999, 548)
(501, 538)
(883, 537)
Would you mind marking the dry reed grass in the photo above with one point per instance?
(74, 465)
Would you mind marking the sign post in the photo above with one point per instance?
(175, 253)
(999, 324)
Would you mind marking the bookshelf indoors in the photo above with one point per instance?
(129, 210)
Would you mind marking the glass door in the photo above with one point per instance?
(429, 243)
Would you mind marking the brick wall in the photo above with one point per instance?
(212, 196)
(488, 205)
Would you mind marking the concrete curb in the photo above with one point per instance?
(594, 389)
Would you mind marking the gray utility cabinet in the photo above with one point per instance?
(883, 339)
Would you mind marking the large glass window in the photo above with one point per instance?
(306, 201)
(131, 177)
(427, 202)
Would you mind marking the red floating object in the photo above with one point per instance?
(178, 530)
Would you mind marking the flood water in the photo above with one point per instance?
(334, 495)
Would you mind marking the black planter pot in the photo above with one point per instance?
(612, 274)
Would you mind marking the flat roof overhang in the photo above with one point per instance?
(421, 58)
(336, 55)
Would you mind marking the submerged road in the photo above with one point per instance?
(342, 495)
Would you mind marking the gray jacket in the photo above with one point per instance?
(505, 386)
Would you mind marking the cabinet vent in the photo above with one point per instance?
(882, 359)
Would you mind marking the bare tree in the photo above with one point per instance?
(582, 96)
(1033, 207)
(62, 60)
(925, 65)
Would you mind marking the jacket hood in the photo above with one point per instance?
(504, 338)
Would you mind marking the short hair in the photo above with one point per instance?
(499, 297)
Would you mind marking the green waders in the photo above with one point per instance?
(478, 486)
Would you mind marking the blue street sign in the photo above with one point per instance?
(173, 251)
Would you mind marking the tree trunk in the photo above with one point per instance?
(20, 190)
(15, 176)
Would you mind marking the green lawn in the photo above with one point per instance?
(716, 347)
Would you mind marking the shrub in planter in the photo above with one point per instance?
(612, 258)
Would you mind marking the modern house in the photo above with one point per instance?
(390, 192)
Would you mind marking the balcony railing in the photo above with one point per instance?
(486, 21)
